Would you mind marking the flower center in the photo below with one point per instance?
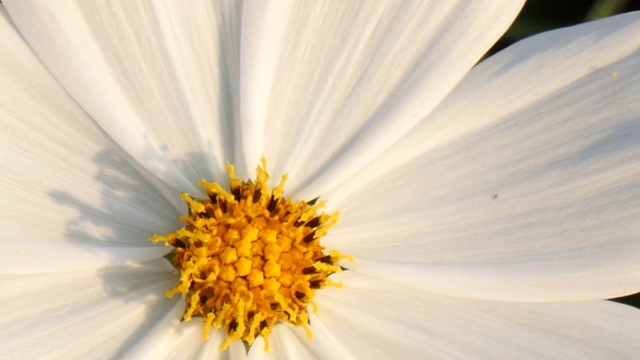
(249, 257)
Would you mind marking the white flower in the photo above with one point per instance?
(489, 208)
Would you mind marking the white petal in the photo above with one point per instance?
(377, 321)
(95, 314)
(68, 192)
(211, 349)
(291, 342)
(160, 77)
(264, 26)
(525, 184)
(337, 81)
(174, 339)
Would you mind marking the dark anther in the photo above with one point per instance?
(309, 238)
(236, 193)
(343, 268)
(315, 284)
(251, 315)
(197, 243)
(263, 324)
(275, 306)
(256, 195)
(223, 206)
(272, 204)
(298, 223)
(180, 244)
(313, 223)
(309, 270)
(325, 259)
(233, 326)
(312, 202)
(214, 198)
(209, 212)
(203, 299)
(300, 295)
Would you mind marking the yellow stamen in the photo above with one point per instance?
(249, 258)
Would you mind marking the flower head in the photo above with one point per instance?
(489, 208)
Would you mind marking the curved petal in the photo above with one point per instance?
(336, 82)
(159, 77)
(89, 314)
(376, 320)
(67, 191)
(524, 184)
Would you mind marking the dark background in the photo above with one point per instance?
(543, 15)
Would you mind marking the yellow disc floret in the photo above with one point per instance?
(249, 257)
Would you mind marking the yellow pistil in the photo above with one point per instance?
(249, 257)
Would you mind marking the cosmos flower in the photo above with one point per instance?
(489, 209)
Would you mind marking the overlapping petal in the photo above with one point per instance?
(517, 183)
(93, 314)
(172, 338)
(67, 191)
(317, 79)
(140, 70)
(375, 319)
(352, 77)
(523, 185)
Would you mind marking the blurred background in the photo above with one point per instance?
(544, 15)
